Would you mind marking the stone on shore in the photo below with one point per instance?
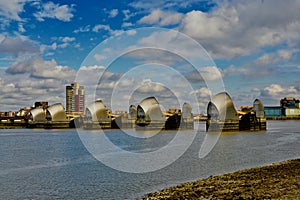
(276, 181)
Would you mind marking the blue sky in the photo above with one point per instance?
(254, 44)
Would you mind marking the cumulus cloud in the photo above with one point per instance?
(177, 44)
(39, 68)
(17, 45)
(83, 29)
(250, 71)
(31, 79)
(113, 13)
(277, 91)
(127, 14)
(150, 87)
(55, 11)
(166, 4)
(281, 55)
(16, 94)
(127, 24)
(162, 18)
(67, 39)
(22, 90)
(100, 57)
(64, 41)
(203, 74)
(10, 9)
(237, 28)
(210, 73)
(204, 96)
(203, 92)
(97, 28)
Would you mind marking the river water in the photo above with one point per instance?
(54, 164)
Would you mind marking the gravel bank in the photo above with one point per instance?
(276, 181)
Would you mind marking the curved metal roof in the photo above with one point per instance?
(259, 108)
(38, 114)
(186, 111)
(132, 112)
(56, 112)
(148, 103)
(151, 110)
(222, 108)
(96, 111)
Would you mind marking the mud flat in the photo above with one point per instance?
(275, 181)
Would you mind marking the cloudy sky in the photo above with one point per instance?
(44, 44)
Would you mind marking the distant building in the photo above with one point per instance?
(75, 99)
(289, 102)
(274, 111)
(43, 104)
(289, 107)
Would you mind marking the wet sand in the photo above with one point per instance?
(276, 181)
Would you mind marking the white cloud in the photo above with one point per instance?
(256, 90)
(83, 29)
(21, 28)
(113, 13)
(203, 92)
(67, 39)
(204, 96)
(265, 59)
(55, 11)
(22, 90)
(127, 14)
(149, 87)
(99, 57)
(166, 4)
(287, 54)
(249, 71)
(162, 18)
(276, 91)
(127, 24)
(203, 25)
(89, 76)
(281, 55)
(131, 32)
(17, 45)
(10, 9)
(33, 80)
(237, 28)
(233, 70)
(39, 68)
(211, 73)
(177, 44)
(97, 28)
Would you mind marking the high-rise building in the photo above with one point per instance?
(75, 99)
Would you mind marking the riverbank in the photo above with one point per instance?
(276, 181)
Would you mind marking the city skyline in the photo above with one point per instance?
(43, 44)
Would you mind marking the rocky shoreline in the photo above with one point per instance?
(275, 181)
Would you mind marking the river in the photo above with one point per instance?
(54, 164)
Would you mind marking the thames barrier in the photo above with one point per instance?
(147, 115)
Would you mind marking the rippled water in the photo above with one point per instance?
(54, 164)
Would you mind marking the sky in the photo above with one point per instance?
(252, 48)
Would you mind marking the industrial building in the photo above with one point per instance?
(75, 99)
(289, 109)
